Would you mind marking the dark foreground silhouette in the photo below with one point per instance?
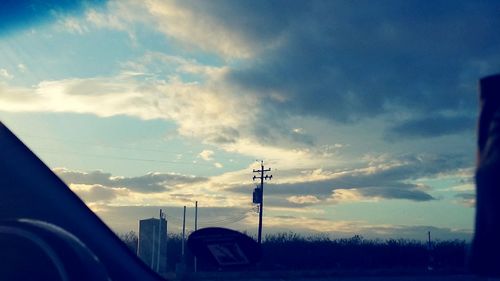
(292, 252)
(43, 222)
(485, 254)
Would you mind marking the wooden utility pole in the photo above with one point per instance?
(260, 198)
(183, 233)
(195, 228)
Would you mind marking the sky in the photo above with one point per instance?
(365, 111)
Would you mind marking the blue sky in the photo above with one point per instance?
(365, 110)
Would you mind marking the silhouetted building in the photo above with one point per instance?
(152, 248)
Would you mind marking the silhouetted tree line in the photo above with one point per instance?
(130, 239)
(292, 251)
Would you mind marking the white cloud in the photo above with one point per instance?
(124, 218)
(298, 130)
(307, 199)
(92, 194)
(120, 15)
(106, 20)
(207, 109)
(207, 155)
(177, 19)
(346, 195)
(5, 74)
(205, 112)
(73, 25)
(210, 109)
(149, 183)
(22, 67)
(316, 225)
(168, 189)
(197, 28)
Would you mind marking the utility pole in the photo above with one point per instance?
(260, 194)
(183, 233)
(430, 261)
(195, 228)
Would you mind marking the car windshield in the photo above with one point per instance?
(352, 121)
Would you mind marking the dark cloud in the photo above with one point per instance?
(155, 181)
(258, 21)
(98, 193)
(346, 61)
(76, 177)
(389, 180)
(274, 130)
(432, 126)
(224, 135)
(411, 193)
(366, 185)
(149, 183)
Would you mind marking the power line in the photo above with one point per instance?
(124, 158)
(236, 217)
(227, 220)
(95, 144)
(236, 214)
(222, 223)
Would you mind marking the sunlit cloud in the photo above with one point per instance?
(92, 194)
(307, 199)
(73, 25)
(197, 28)
(340, 119)
(350, 228)
(5, 74)
(149, 183)
(346, 195)
(154, 188)
(184, 103)
(22, 67)
(206, 155)
(207, 110)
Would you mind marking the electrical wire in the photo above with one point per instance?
(235, 217)
(63, 140)
(94, 144)
(124, 158)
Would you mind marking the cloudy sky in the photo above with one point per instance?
(364, 110)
